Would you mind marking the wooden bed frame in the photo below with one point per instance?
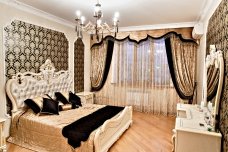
(29, 85)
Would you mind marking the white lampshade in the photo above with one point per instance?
(82, 19)
(117, 15)
(99, 22)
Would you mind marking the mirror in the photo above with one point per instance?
(214, 82)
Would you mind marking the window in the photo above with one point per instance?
(161, 67)
(146, 62)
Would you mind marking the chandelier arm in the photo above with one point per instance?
(97, 27)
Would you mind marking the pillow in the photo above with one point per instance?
(62, 97)
(67, 107)
(60, 103)
(73, 98)
(35, 104)
(50, 106)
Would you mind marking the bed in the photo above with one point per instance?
(44, 132)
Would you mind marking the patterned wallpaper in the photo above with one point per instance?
(78, 65)
(218, 34)
(27, 46)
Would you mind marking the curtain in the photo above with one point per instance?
(212, 82)
(140, 77)
(101, 56)
(182, 64)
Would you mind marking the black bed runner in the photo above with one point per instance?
(80, 130)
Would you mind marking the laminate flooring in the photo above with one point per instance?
(149, 133)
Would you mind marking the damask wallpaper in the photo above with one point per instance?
(78, 65)
(27, 46)
(218, 34)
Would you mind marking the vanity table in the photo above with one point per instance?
(195, 125)
(191, 131)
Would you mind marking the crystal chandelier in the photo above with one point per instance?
(94, 29)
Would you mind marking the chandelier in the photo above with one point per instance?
(97, 28)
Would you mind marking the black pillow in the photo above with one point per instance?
(32, 104)
(61, 98)
(74, 99)
(50, 106)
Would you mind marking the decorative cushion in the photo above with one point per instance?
(50, 106)
(73, 98)
(60, 103)
(67, 107)
(62, 97)
(35, 104)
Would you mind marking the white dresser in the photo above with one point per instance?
(86, 97)
(191, 131)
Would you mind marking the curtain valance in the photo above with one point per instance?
(181, 55)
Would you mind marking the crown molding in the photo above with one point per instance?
(209, 9)
(157, 26)
(38, 12)
(203, 8)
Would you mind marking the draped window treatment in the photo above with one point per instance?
(140, 77)
(182, 64)
(101, 56)
(212, 82)
(151, 75)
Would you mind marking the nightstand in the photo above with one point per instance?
(2, 138)
(86, 97)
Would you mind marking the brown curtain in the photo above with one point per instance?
(181, 55)
(101, 56)
(212, 81)
(140, 77)
(98, 58)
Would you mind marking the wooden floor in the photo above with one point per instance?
(149, 133)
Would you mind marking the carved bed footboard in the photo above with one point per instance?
(112, 129)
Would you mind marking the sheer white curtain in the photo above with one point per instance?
(139, 76)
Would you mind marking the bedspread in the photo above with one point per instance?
(81, 129)
(44, 133)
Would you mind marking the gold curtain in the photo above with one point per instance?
(140, 77)
(98, 60)
(212, 81)
(184, 64)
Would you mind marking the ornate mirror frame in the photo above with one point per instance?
(215, 58)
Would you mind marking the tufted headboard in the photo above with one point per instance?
(29, 85)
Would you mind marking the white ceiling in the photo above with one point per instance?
(132, 12)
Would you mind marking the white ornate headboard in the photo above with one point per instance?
(29, 85)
